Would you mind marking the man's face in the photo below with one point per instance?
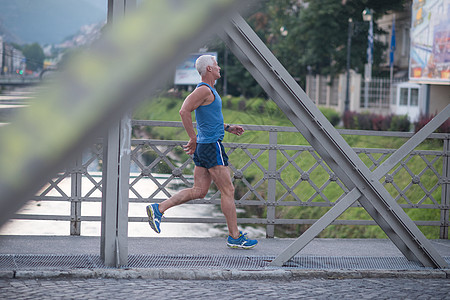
(215, 69)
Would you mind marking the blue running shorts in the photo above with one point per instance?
(210, 155)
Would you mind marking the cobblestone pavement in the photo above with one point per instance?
(379, 288)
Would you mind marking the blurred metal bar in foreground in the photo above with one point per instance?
(134, 57)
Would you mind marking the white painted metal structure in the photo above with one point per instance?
(342, 159)
(363, 184)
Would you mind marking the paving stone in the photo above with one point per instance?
(127, 288)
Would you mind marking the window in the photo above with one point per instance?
(404, 96)
(414, 97)
(408, 95)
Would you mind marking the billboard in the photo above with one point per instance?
(186, 73)
(430, 42)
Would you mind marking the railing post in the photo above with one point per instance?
(75, 197)
(271, 183)
(115, 190)
(116, 173)
(445, 194)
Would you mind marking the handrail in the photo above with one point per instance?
(254, 191)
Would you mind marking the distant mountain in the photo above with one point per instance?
(7, 35)
(47, 21)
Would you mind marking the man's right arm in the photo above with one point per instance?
(194, 100)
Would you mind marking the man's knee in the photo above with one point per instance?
(228, 191)
(197, 192)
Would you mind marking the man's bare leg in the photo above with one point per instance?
(221, 177)
(202, 181)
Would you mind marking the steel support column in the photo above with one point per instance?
(271, 185)
(75, 195)
(115, 189)
(325, 139)
(445, 193)
(115, 175)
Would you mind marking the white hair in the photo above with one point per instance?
(204, 61)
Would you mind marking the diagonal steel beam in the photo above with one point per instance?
(350, 198)
(412, 143)
(316, 228)
(325, 139)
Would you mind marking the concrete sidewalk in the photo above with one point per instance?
(210, 258)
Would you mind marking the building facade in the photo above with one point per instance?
(12, 60)
(420, 67)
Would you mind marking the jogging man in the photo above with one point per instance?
(210, 158)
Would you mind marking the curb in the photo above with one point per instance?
(212, 274)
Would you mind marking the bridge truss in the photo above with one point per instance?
(364, 185)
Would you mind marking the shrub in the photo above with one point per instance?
(349, 120)
(184, 94)
(424, 119)
(171, 103)
(241, 105)
(232, 102)
(400, 123)
(445, 127)
(331, 115)
(273, 109)
(364, 121)
(257, 105)
(381, 123)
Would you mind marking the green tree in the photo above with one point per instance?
(239, 81)
(311, 36)
(34, 55)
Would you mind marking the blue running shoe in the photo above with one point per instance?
(242, 242)
(154, 217)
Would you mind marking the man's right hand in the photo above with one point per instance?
(190, 147)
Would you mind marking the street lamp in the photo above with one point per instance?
(367, 15)
(349, 47)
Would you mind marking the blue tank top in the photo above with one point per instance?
(210, 119)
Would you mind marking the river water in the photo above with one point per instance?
(135, 229)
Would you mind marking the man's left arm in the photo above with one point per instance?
(234, 129)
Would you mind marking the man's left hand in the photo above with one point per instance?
(236, 129)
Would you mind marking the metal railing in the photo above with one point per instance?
(380, 93)
(19, 80)
(270, 173)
